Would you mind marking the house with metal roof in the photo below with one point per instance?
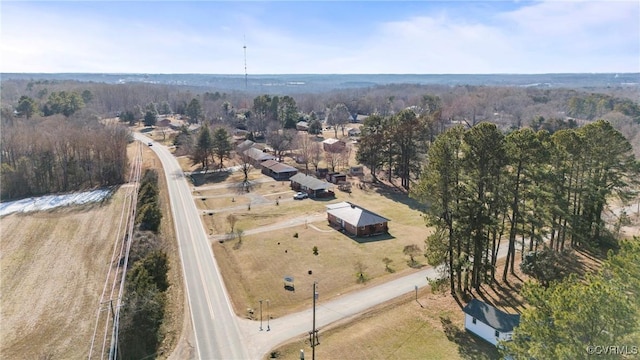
(257, 156)
(316, 188)
(355, 220)
(278, 171)
(488, 322)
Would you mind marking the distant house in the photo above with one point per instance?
(302, 126)
(488, 322)
(163, 123)
(244, 145)
(356, 220)
(316, 188)
(278, 171)
(358, 118)
(257, 156)
(353, 132)
(333, 145)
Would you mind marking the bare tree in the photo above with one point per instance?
(316, 154)
(244, 161)
(232, 219)
(304, 147)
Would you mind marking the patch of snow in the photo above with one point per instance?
(48, 202)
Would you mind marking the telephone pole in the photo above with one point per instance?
(313, 335)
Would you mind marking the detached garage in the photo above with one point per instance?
(488, 322)
(355, 220)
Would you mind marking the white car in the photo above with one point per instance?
(300, 195)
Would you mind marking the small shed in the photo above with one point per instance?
(356, 220)
(336, 177)
(356, 170)
(488, 322)
(278, 171)
(302, 126)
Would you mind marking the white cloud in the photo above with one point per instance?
(565, 36)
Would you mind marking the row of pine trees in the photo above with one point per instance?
(485, 191)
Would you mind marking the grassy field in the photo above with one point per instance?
(254, 267)
(431, 328)
(53, 268)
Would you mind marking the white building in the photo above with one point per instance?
(488, 322)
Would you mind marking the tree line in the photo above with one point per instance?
(533, 189)
(146, 284)
(58, 154)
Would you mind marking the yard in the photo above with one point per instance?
(278, 235)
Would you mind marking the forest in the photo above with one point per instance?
(57, 134)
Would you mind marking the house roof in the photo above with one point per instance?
(354, 214)
(257, 154)
(310, 182)
(278, 167)
(245, 145)
(331, 141)
(492, 316)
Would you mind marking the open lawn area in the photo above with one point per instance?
(255, 265)
(432, 328)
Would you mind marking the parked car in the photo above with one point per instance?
(300, 195)
(150, 144)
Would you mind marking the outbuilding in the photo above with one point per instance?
(355, 220)
(488, 322)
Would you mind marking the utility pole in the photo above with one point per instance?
(260, 314)
(268, 316)
(313, 335)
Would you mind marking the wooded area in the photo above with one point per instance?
(534, 189)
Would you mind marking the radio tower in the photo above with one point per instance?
(245, 62)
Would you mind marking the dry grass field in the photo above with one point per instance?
(254, 267)
(401, 329)
(53, 268)
(431, 328)
(54, 265)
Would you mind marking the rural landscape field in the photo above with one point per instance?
(343, 180)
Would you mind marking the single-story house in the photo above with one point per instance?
(258, 156)
(353, 132)
(488, 322)
(333, 145)
(356, 220)
(316, 188)
(336, 177)
(358, 118)
(278, 171)
(244, 145)
(302, 126)
(163, 123)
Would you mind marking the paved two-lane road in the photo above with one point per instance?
(216, 330)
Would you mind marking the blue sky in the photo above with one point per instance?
(320, 37)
